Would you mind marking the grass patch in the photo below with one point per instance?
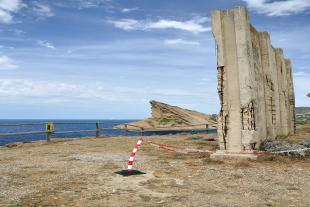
(195, 138)
(209, 161)
(170, 122)
(181, 156)
(242, 164)
(237, 176)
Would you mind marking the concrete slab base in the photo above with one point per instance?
(224, 154)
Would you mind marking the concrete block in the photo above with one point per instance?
(220, 154)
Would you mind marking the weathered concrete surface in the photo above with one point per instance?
(255, 83)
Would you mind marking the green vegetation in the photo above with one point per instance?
(303, 115)
(214, 117)
(300, 120)
(302, 110)
(170, 122)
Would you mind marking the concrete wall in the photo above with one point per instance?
(255, 83)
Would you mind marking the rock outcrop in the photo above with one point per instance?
(165, 116)
(255, 84)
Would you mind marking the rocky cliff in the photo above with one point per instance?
(173, 117)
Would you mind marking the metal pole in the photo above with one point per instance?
(97, 130)
(142, 131)
(126, 130)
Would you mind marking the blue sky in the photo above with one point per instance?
(106, 59)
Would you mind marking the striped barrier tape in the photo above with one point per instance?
(133, 154)
(176, 148)
(163, 146)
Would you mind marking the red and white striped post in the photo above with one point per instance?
(133, 154)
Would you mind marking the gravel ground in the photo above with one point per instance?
(81, 172)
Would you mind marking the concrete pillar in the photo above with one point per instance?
(291, 97)
(254, 83)
(270, 80)
(229, 117)
(283, 97)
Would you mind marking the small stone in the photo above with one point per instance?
(161, 202)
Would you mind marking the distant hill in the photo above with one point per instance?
(302, 115)
(302, 110)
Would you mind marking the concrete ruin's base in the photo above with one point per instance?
(225, 154)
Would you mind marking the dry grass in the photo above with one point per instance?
(82, 173)
(242, 164)
(209, 161)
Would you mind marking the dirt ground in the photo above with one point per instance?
(81, 172)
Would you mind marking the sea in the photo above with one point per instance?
(25, 125)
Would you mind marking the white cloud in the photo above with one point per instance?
(85, 4)
(180, 42)
(190, 26)
(46, 44)
(40, 91)
(28, 89)
(7, 8)
(278, 8)
(195, 25)
(43, 10)
(300, 74)
(128, 24)
(6, 63)
(5, 16)
(128, 10)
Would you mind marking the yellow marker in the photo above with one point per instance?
(50, 127)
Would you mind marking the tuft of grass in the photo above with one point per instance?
(170, 122)
(209, 161)
(181, 156)
(242, 164)
(194, 138)
(267, 158)
(237, 176)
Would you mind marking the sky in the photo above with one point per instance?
(106, 59)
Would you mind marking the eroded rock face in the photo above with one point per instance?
(167, 116)
(182, 116)
(255, 83)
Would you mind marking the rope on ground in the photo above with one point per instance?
(178, 149)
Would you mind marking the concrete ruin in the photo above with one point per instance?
(255, 84)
